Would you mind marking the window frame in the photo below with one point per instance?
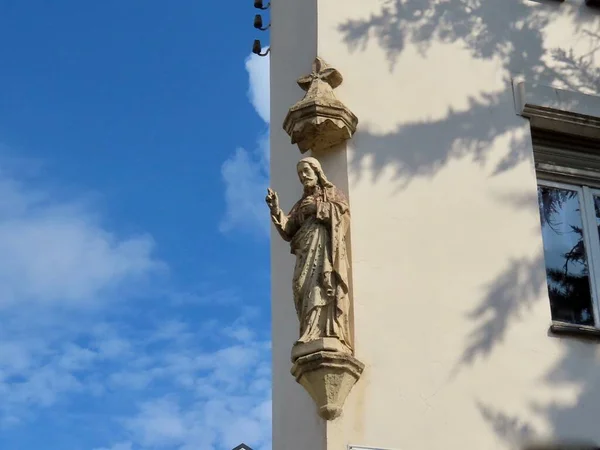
(564, 127)
(591, 241)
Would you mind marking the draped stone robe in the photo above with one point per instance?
(316, 228)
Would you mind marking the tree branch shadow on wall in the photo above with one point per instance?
(460, 134)
(481, 27)
(509, 296)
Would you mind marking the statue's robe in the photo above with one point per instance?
(316, 228)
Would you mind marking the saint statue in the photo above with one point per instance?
(316, 228)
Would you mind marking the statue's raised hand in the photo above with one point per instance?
(272, 200)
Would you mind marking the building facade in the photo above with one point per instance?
(472, 114)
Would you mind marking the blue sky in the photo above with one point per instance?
(134, 280)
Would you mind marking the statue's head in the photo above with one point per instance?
(311, 174)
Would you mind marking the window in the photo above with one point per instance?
(566, 445)
(568, 170)
(570, 217)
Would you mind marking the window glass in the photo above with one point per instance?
(597, 211)
(567, 271)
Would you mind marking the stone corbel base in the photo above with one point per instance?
(328, 377)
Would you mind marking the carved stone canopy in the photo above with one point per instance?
(320, 121)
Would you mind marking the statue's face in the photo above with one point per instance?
(307, 175)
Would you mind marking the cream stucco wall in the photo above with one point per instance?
(451, 308)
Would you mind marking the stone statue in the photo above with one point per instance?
(316, 228)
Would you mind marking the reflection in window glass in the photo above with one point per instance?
(565, 255)
(597, 209)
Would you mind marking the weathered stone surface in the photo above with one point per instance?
(320, 121)
(328, 377)
(324, 344)
(317, 228)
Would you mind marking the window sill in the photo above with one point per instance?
(569, 329)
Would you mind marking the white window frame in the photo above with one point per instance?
(556, 110)
(591, 239)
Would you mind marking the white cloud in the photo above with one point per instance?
(62, 270)
(217, 398)
(119, 446)
(58, 265)
(67, 271)
(246, 173)
(65, 259)
(259, 85)
(57, 252)
(218, 377)
(246, 184)
(220, 423)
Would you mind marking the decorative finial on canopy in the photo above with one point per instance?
(320, 121)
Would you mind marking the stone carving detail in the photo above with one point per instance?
(328, 377)
(316, 228)
(320, 121)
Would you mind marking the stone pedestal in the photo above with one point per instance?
(328, 377)
(319, 345)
